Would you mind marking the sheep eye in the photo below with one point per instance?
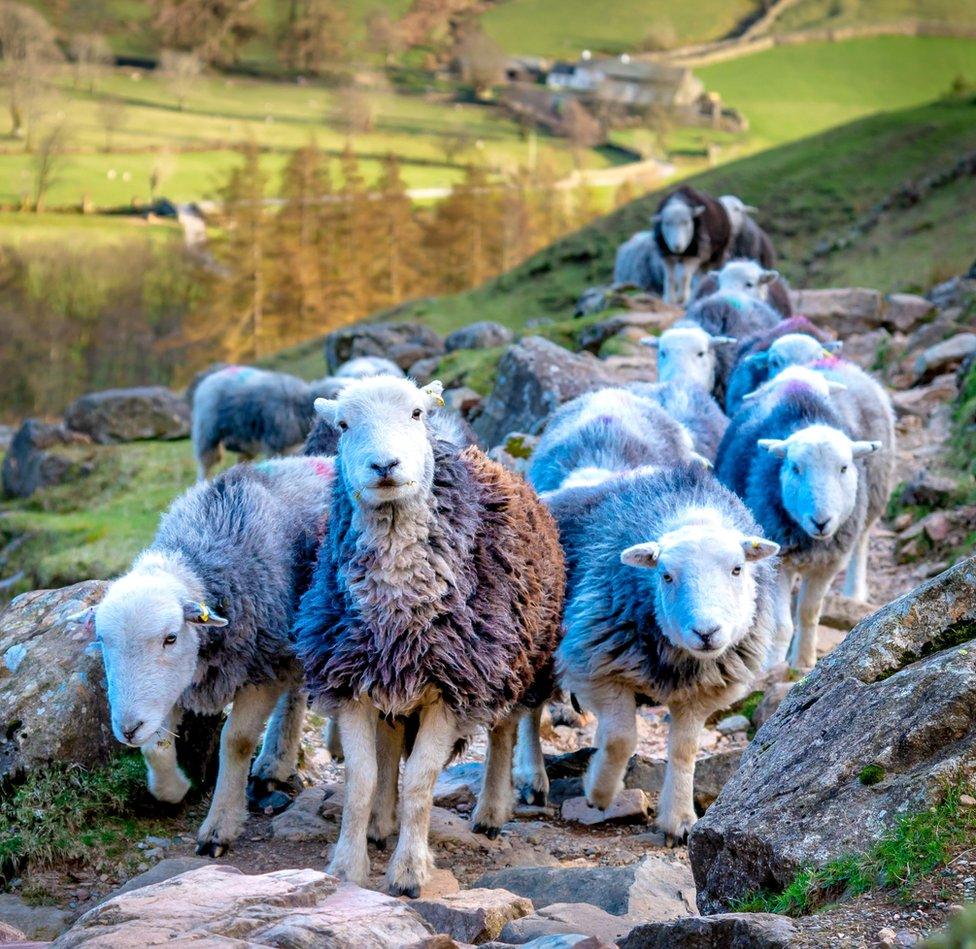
(667, 578)
(417, 413)
(796, 469)
(701, 355)
(170, 639)
(343, 426)
(736, 570)
(843, 469)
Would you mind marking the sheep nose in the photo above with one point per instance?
(129, 731)
(821, 526)
(706, 634)
(384, 468)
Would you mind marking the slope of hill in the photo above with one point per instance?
(808, 14)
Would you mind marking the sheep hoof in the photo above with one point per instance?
(533, 796)
(269, 796)
(211, 848)
(489, 830)
(411, 892)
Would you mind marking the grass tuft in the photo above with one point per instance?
(871, 774)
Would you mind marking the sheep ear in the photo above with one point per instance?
(750, 209)
(859, 449)
(85, 618)
(327, 408)
(641, 555)
(833, 347)
(749, 396)
(698, 210)
(758, 548)
(834, 386)
(701, 459)
(775, 446)
(717, 342)
(651, 342)
(201, 615)
(768, 276)
(433, 390)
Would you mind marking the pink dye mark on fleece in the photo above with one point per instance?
(323, 467)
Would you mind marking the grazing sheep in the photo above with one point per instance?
(815, 470)
(752, 366)
(748, 238)
(693, 407)
(752, 280)
(688, 353)
(670, 599)
(604, 432)
(436, 600)
(250, 411)
(692, 233)
(203, 619)
(728, 313)
(639, 263)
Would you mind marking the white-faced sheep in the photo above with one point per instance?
(436, 599)
(693, 407)
(203, 619)
(690, 354)
(599, 434)
(692, 232)
(251, 411)
(752, 360)
(748, 238)
(670, 599)
(638, 263)
(749, 279)
(816, 472)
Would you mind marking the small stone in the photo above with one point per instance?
(905, 937)
(630, 805)
(441, 883)
(472, 916)
(967, 800)
(886, 936)
(732, 724)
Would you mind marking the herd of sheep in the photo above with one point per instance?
(417, 591)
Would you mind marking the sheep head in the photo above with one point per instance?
(686, 353)
(704, 582)
(746, 277)
(385, 453)
(798, 349)
(677, 222)
(149, 628)
(818, 477)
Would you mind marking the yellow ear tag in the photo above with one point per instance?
(204, 613)
(440, 401)
(755, 545)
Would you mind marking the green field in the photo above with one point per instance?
(791, 91)
(819, 13)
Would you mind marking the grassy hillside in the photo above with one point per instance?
(831, 13)
(810, 192)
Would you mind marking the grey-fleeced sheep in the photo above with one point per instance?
(603, 433)
(693, 407)
(816, 471)
(670, 599)
(748, 238)
(688, 353)
(639, 263)
(203, 619)
(252, 412)
(750, 279)
(692, 232)
(436, 600)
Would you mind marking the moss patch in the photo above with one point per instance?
(871, 774)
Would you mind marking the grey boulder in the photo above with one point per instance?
(724, 931)
(481, 335)
(42, 454)
(404, 343)
(130, 415)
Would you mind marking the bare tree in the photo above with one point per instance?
(316, 38)
(181, 71)
(480, 60)
(90, 53)
(112, 116)
(214, 29)
(47, 161)
(356, 110)
(383, 35)
(27, 49)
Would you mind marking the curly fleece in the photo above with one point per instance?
(473, 611)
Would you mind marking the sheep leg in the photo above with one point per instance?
(669, 281)
(412, 862)
(616, 739)
(206, 459)
(531, 780)
(276, 764)
(783, 616)
(856, 575)
(808, 607)
(676, 805)
(331, 737)
(497, 795)
(687, 275)
(228, 811)
(389, 749)
(166, 779)
(357, 727)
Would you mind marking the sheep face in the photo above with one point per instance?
(705, 588)
(797, 349)
(746, 277)
(687, 354)
(737, 211)
(818, 477)
(149, 634)
(384, 449)
(677, 220)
